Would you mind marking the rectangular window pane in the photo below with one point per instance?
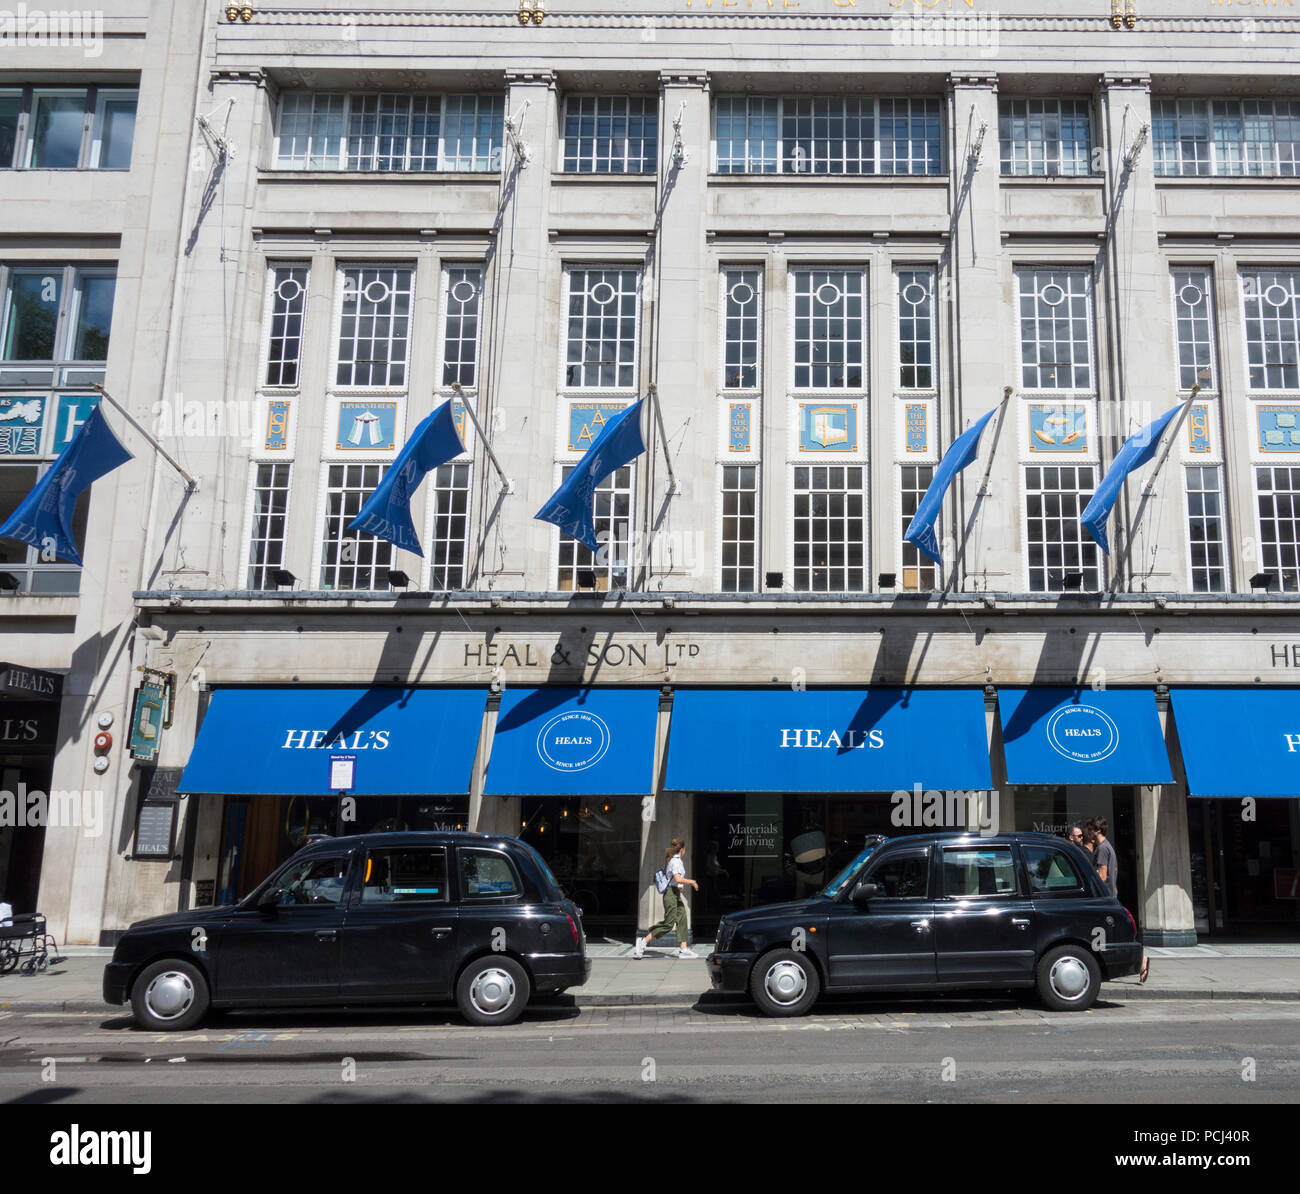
(33, 314)
(1270, 301)
(57, 121)
(1056, 329)
(114, 130)
(288, 309)
(910, 141)
(1045, 136)
(449, 550)
(920, 573)
(1194, 328)
(742, 300)
(602, 329)
(609, 134)
(916, 344)
(94, 316)
(1279, 524)
(270, 516)
(613, 522)
(405, 876)
(11, 107)
(352, 560)
(830, 329)
(1205, 530)
(374, 330)
(461, 302)
(312, 131)
(739, 537)
(748, 139)
(830, 530)
(473, 129)
(828, 136)
(1056, 542)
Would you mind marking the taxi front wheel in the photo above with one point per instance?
(169, 996)
(784, 983)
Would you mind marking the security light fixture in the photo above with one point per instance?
(1072, 581)
(586, 578)
(887, 580)
(1263, 580)
(281, 577)
(397, 579)
(9, 582)
(774, 580)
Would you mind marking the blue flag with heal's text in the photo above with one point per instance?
(44, 517)
(1137, 451)
(962, 450)
(386, 513)
(571, 507)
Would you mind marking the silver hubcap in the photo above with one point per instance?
(169, 995)
(785, 983)
(492, 991)
(1069, 978)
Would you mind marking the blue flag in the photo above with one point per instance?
(1137, 451)
(386, 513)
(920, 531)
(571, 507)
(44, 518)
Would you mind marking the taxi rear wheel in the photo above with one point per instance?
(493, 990)
(784, 983)
(1069, 979)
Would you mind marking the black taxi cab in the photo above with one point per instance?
(375, 918)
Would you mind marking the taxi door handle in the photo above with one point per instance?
(921, 926)
(1020, 922)
(440, 930)
(327, 935)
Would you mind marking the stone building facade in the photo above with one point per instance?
(826, 237)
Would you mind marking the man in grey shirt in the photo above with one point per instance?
(1105, 859)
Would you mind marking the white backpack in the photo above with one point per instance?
(663, 880)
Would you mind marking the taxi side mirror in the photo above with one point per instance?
(863, 892)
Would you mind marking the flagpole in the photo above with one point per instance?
(663, 439)
(190, 483)
(981, 492)
(1148, 486)
(508, 485)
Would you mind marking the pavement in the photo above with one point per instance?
(1228, 971)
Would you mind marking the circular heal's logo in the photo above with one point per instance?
(573, 741)
(1082, 733)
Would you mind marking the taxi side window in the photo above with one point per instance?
(486, 873)
(405, 876)
(906, 878)
(317, 881)
(979, 871)
(1049, 870)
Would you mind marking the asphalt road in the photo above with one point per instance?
(996, 1051)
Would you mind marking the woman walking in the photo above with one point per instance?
(674, 904)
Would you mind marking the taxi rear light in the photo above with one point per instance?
(1132, 922)
(573, 928)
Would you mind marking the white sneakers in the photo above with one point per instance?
(638, 950)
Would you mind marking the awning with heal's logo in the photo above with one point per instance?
(1083, 736)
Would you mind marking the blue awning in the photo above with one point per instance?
(574, 742)
(1239, 741)
(1083, 736)
(828, 740)
(279, 741)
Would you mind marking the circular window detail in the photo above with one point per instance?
(602, 294)
(742, 293)
(828, 294)
(377, 292)
(289, 289)
(1277, 296)
(1190, 295)
(915, 293)
(1052, 294)
(464, 291)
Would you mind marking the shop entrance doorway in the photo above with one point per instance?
(1245, 868)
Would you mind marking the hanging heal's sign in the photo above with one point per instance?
(150, 715)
